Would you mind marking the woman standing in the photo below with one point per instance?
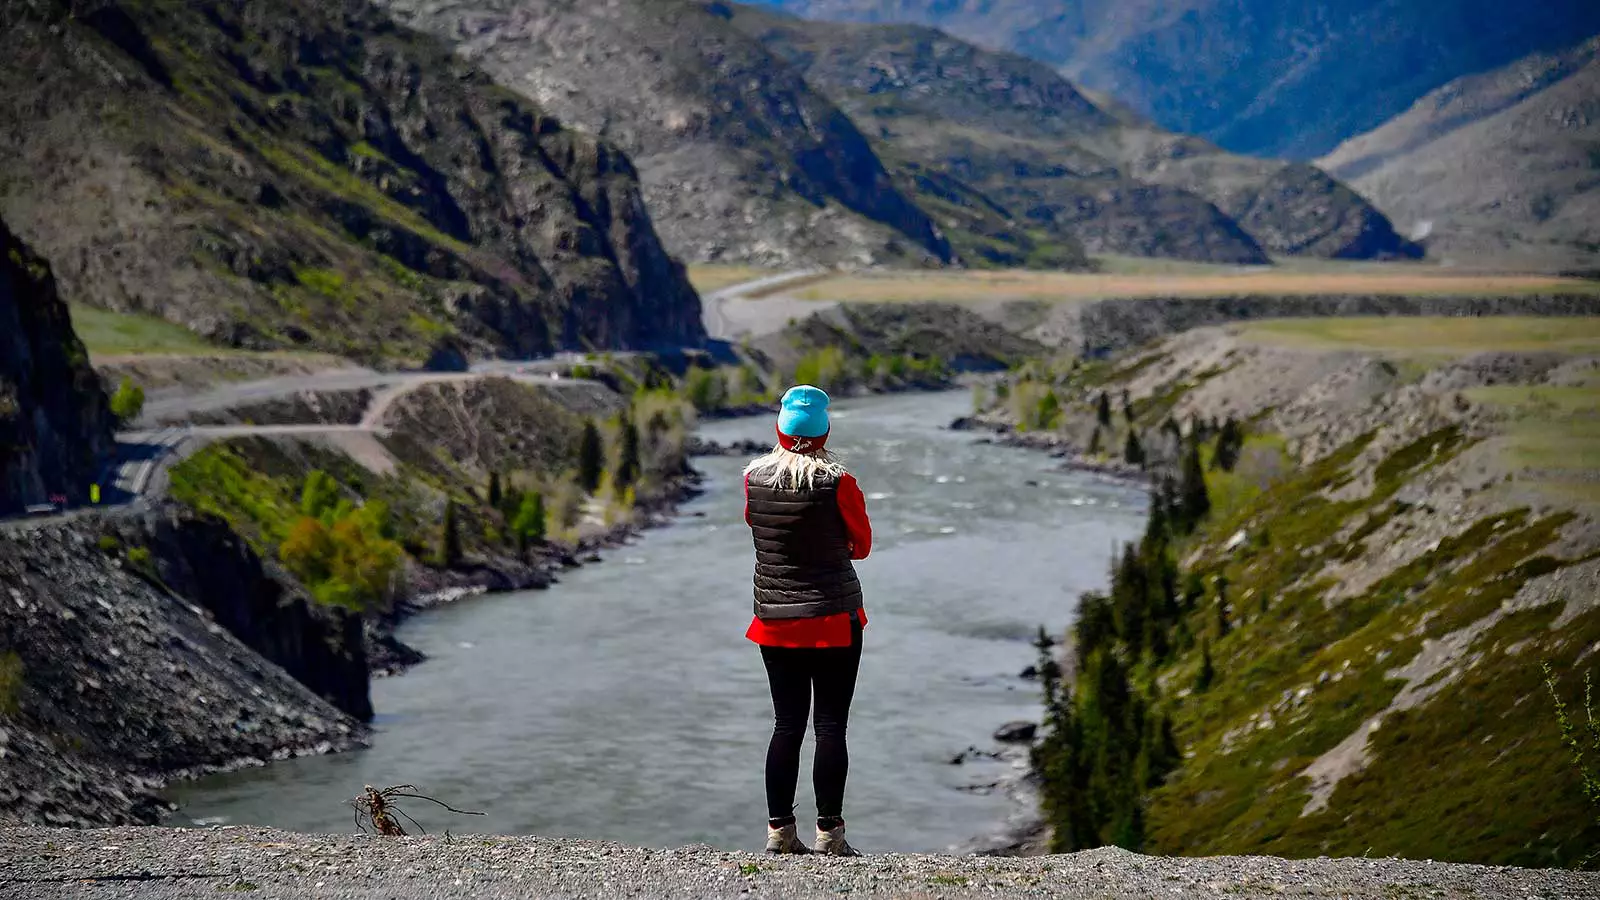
(809, 520)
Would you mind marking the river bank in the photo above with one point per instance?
(432, 588)
(165, 864)
(585, 685)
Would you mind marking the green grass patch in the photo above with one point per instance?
(222, 481)
(1446, 336)
(1552, 438)
(1263, 459)
(107, 333)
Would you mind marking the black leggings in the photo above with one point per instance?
(793, 672)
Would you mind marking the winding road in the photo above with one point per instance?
(137, 473)
(165, 433)
(719, 326)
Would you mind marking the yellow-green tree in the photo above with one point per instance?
(348, 563)
(128, 401)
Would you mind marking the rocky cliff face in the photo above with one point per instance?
(1256, 76)
(740, 158)
(55, 429)
(1030, 142)
(114, 685)
(202, 560)
(297, 174)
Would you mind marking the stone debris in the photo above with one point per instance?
(169, 864)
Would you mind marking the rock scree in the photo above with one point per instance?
(169, 864)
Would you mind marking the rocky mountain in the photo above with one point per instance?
(1026, 139)
(1507, 161)
(1255, 76)
(55, 428)
(739, 157)
(297, 174)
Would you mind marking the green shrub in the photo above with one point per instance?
(1584, 744)
(528, 525)
(139, 558)
(128, 401)
(825, 368)
(706, 389)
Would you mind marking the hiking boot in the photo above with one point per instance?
(832, 842)
(784, 839)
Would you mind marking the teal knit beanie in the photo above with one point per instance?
(804, 412)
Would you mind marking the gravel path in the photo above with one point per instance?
(160, 863)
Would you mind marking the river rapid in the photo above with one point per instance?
(625, 704)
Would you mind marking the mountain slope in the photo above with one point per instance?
(288, 173)
(1508, 160)
(1256, 76)
(1028, 139)
(740, 159)
(55, 428)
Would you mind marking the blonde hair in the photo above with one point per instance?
(788, 470)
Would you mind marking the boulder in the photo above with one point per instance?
(1018, 732)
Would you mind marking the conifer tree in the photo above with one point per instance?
(627, 473)
(1094, 442)
(1133, 451)
(1208, 672)
(449, 537)
(1230, 441)
(1194, 501)
(495, 496)
(1103, 414)
(591, 458)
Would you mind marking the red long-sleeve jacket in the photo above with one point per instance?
(820, 631)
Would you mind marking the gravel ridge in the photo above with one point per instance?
(165, 863)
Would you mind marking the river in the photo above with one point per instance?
(625, 704)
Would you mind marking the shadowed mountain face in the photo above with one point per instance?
(1028, 140)
(1506, 162)
(740, 158)
(288, 173)
(1274, 77)
(55, 428)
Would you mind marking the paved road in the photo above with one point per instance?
(162, 437)
(176, 409)
(138, 471)
(718, 325)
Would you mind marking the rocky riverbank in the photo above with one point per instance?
(166, 864)
(113, 684)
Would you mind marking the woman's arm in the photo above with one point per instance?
(853, 506)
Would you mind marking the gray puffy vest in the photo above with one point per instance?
(803, 566)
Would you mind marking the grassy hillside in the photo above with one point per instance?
(1409, 530)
